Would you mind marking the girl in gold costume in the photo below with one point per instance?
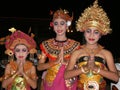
(20, 73)
(58, 51)
(94, 63)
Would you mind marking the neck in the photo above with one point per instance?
(61, 38)
(92, 46)
(92, 49)
(19, 61)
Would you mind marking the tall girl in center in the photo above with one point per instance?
(58, 51)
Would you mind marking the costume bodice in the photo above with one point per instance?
(97, 59)
(19, 83)
(52, 48)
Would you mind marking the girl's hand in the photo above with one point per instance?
(92, 66)
(20, 68)
(91, 62)
(60, 56)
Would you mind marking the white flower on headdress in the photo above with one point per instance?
(12, 29)
(68, 23)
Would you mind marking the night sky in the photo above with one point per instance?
(22, 15)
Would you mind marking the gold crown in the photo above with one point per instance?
(94, 16)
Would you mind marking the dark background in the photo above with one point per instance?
(35, 14)
(27, 14)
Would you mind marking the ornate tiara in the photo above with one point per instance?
(94, 16)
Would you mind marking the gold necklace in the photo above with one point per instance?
(93, 51)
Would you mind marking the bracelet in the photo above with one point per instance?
(51, 63)
(26, 78)
(83, 70)
(98, 71)
(14, 76)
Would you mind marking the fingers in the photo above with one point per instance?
(91, 62)
(20, 68)
(60, 56)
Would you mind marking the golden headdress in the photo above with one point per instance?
(63, 14)
(94, 16)
(18, 37)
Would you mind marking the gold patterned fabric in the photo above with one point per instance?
(52, 47)
(91, 79)
(51, 73)
(19, 84)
